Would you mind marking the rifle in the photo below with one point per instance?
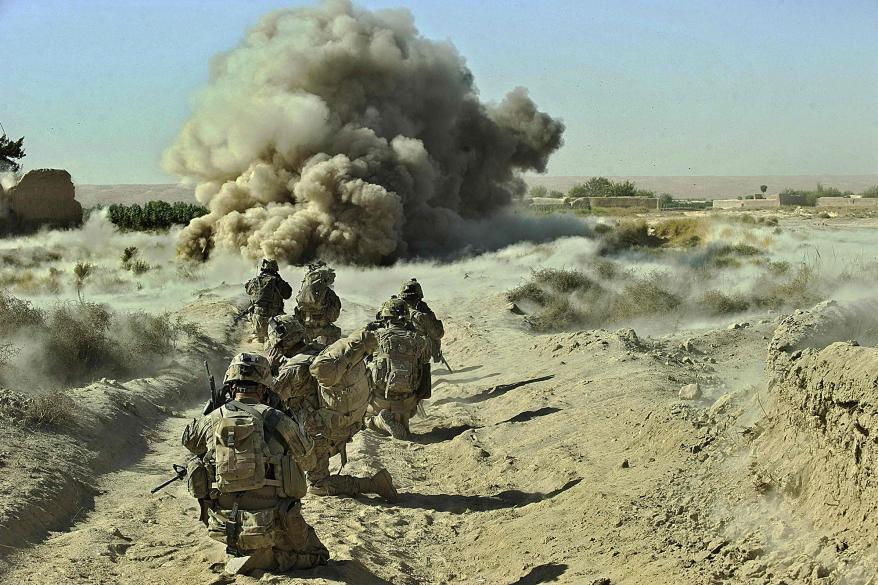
(180, 474)
(217, 397)
(444, 361)
(243, 314)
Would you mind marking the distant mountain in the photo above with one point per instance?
(90, 195)
(720, 187)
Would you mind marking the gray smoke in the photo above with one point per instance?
(340, 133)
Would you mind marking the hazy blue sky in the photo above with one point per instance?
(101, 87)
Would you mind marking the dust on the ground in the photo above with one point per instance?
(600, 473)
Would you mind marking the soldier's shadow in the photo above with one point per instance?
(351, 572)
(458, 504)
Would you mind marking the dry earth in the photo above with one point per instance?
(599, 473)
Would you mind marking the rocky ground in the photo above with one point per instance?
(595, 457)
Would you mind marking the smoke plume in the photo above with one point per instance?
(340, 133)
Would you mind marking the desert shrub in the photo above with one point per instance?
(562, 281)
(870, 193)
(77, 342)
(681, 232)
(139, 267)
(557, 315)
(538, 191)
(529, 291)
(644, 298)
(50, 410)
(607, 270)
(16, 314)
(719, 303)
(628, 235)
(157, 335)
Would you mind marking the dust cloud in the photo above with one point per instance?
(340, 133)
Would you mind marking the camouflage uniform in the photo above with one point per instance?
(332, 411)
(267, 293)
(423, 317)
(260, 522)
(399, 371)
(318, 310)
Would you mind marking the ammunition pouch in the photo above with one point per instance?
(293, 482)
(198, 478)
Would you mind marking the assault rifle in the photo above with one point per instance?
(218, 397)
(180, 475)
(243, 313)
(444, 361)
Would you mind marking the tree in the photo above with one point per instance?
(763, 188)
(11, 151)
(538, 191)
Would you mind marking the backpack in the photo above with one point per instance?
(263, 291)
(313, 291)
(239, 444)
(398, 361)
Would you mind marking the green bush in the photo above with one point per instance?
(719, 303)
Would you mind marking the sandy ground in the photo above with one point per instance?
(598, 473)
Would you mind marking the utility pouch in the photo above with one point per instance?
(197, 480)
(293, 478)
(257, 529)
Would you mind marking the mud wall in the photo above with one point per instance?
(745, 203)
(42, 197)
(846, 202)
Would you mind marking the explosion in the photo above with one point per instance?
(338, 133)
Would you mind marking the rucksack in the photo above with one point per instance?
(239, 439)
(398, 361)
(313, 291)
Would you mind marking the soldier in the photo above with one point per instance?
(422, 316)
(333, 388)
(317, 305)
(397, 372)
(286, 338)
(247, 475)
(267, 292)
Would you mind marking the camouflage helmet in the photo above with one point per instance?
(411, 290)
(285, 331)
(268, 265)
(393, 308)
(249, 367)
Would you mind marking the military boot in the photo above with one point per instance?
(389, 424)
(381, 484)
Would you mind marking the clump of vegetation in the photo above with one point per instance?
(81, 272)
(720, 303)
(681, 232)
(76, 342)
(628, 235)
(131, 262)
(643, 298)
(50, 410)
(603, 187)
(154, 215)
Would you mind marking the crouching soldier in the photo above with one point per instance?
(400, 379)
(247, 475)
(287, 338)
(318, 305)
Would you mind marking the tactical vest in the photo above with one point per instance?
(311, 295)
(243, 460)
(264, 293)
(396, 368)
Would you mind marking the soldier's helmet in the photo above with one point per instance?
(285, 331)
(411, 290)
(249, 367)
(268, 265)
(393, 308)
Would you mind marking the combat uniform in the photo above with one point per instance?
(318, 305)
(332, 414)
(397, 370)
(423, 317)
(247, 475)
(267, 293)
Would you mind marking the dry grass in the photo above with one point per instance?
(51, 410)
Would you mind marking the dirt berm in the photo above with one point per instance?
(819, 451)
(49, 477)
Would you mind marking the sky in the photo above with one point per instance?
(692, 88)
